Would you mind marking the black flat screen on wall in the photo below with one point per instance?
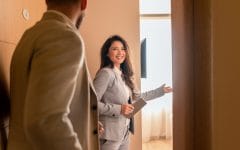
(143, 58)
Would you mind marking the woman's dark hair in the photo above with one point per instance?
(126, 66)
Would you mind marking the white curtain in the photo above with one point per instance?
(157, 119)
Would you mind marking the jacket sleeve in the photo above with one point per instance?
(149, 95)
(102, 81)
(52, 80)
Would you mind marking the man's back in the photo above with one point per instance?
(48, 73)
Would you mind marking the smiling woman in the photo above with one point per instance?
(117, 92)
(117, 53)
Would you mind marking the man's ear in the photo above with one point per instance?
(83, 4)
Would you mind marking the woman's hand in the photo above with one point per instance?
(167, 89)
(100, 128)
(126, 109)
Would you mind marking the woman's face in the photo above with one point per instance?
(117, 53)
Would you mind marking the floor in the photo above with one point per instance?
(158, 145)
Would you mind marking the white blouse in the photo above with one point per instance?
(127, 89)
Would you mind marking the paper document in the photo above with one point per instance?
(138, 105)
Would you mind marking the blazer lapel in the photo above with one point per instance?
(131, 124)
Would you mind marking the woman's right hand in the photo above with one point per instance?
(126, 109)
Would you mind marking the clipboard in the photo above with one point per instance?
(138, 105)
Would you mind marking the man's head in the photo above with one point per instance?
(74, 9)
(68, 2)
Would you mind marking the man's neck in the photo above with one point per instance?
(69, 11)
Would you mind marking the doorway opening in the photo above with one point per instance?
(156, 67)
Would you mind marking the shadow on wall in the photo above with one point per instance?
(4, 109)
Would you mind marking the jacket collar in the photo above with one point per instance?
(56, 15)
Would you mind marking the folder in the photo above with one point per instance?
(138, 105)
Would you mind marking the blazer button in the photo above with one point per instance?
(94, 107)
(95, 131)
(113, 115)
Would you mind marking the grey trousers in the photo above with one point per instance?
(115, 145)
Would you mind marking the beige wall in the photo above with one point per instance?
(12, 26)
(226, 74)
(105, 18)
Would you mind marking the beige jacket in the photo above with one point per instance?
(53, 105)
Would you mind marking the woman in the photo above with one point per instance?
(115, 91)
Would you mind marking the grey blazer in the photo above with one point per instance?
(111, 95)
(53, 104)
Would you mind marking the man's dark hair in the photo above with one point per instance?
(61, 2)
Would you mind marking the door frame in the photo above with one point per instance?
(192, 75)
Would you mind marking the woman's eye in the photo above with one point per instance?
(114, 48)
(118, 48)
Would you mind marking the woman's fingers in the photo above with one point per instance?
(127, 109)
(100, 128)
(167, 89)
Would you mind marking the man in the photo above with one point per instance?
(53, 104)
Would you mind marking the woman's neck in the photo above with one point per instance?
(117, 66)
